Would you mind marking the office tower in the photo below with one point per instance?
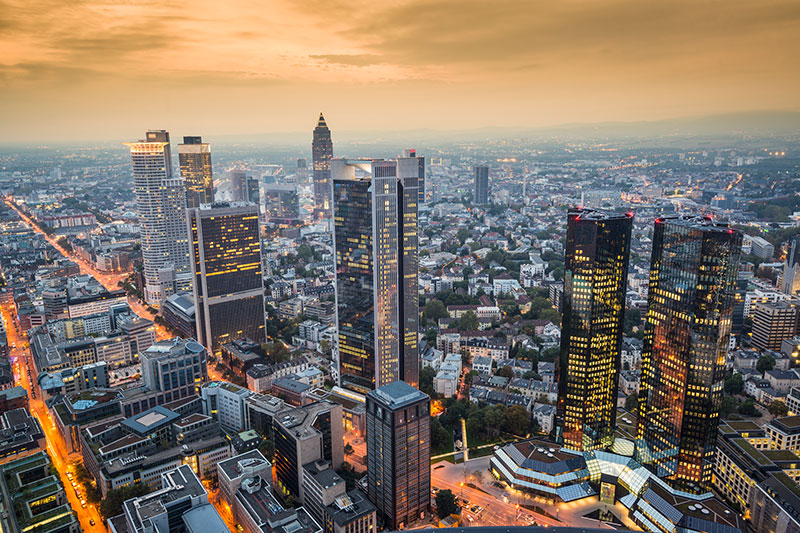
(398, 453)
(421, 163)
(481, 185)
(174, 367)
(773, 322)
(194, 158)
(790, 283)
(693, 271)
(252, 190)
(322, 153)
(376, 256)
(161, 202)
(281, 203)
(244, 188)
(228, 288)
(304, 435)
(302, 171)
(596, 270)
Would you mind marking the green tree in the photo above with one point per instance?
(434, 310)
(734, 384)
(468, 321)
(348, 449)
(765, 362)
(729, 406)
(632, 402)
(778, 408)
(495, 418)
(517, 420)
(426, 376)
(112, 503)
(446, 503)
(552, 315)
(462, 235)
(267, 449)
(748, 407)
(506, 372)
(440, 437)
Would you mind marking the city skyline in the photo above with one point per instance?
(511, 64)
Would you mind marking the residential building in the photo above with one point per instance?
(774, 322)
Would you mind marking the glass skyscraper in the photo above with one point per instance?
(693, 273)
(595, 277)
(322, 153)
(161, 202)
(228, 287)
(481, 186)
(375, 241)
(194, 158)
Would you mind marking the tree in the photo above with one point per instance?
(267, 449)
(765, 362)
(426, 376)
(349, 475)
(517, 420)
(552, 315)
(549, 355)
(462, 235)
(348, 449)
(434, 310)
(440, 437)
(728, 407)
(112, 503)
(632, 402)
(734, 384)
(748, 407)
(468, 321)
(445, 503)
(778, 408)
(506, 372)
(278, 352)
(495, 418)
(469, 377)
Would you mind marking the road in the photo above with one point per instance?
(56, 448)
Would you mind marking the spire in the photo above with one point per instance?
(321, 122)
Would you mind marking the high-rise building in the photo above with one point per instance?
(596, 271)
(791, 269)
(175, 367)
(301, 173)
(194, 158)
(421, 165)
(228, 288)
(322, 153)
(375, 234)
(693, 271)
(398, 453)
(481, 185)
(775, 321)
(281, 203)
(161, 201)
(244, 187)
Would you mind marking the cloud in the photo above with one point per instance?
(354, 60)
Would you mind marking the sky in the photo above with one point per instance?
(90, 69)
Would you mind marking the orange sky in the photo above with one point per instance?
(88, 69)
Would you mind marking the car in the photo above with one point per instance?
(91, 521)
(83, 504)
(474, 508)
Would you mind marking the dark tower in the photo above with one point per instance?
(322, 153)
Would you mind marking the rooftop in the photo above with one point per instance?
(398, 394)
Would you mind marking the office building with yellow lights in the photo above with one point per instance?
(375, 241)
(693, 273)
(194, 158)
(228, 286)
(596, 270)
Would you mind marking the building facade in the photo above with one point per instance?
(596, 270)
(194, 158)
(398, 453)
(375, 240)
(228, 288)
(481, 185)
(161, 202)
(690, 305)
(322, 153)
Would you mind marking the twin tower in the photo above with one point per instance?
(693, 271)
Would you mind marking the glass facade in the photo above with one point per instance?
(693, 273)
(595, 277)
(281, 204)
(481, 185)
(375, 239)
(229, 294)
(194, 158)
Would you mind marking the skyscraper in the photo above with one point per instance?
(194, 157)
(375, 240)
(281, 204)
(322, 153)
(595, 276)
(228, 288)
(481, 185)
(791, 269)
(161, 202)
(398, 453)
(421, 181)
(693, 273)
(244, 187)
